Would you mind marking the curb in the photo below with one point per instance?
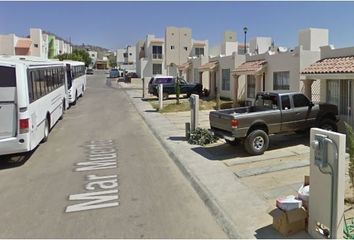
(209, 200)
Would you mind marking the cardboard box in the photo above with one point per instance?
(289, 222)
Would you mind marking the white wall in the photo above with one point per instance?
(228, 48)
(260, 43)
(7, 44)
(230, 36)
(37, 39)
(230, 62)
(131, 51)
(120, 55)
(330, 51)
(313, 38)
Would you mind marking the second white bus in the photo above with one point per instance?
(76, 80)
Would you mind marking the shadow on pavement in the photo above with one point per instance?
(220, 152)
(177, 138)
(12, 161)
(278, 141)
(268, 232)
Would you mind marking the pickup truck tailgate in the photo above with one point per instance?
(220, 120)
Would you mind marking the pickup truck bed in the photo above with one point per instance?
(272, 113)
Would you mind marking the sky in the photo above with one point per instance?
(117, 24)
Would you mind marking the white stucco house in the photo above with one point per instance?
(279, 68)
(37, 44)
(164, 55)
(335, 74)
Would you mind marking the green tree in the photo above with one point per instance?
(80, 55)
(112, 61)
(350, 143)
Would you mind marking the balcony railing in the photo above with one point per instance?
(157, 56)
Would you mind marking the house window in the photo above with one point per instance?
(172, 47)
(225, 79)
(251, 86)
(125, 55)
(339, 93)
(186, 48)
(157, 52)
(36, 45)
(281, 81)
(156, 69)
(130, 54)
(199, 52)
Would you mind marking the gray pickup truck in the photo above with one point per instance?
(272, 112)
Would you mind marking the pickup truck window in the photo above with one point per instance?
(300, 101)
(285, 102)
(268, 101)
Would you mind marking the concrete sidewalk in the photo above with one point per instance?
(238, 208)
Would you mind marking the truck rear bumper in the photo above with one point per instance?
(223, 134)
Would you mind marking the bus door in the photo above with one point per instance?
(8, 109)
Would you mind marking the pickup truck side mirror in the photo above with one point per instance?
(311, 104)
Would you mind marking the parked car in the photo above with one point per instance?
(169, 86)
(130, 75)
(114, 73)
(272, 113)
(90, 71)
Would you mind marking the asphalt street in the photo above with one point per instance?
(102, 174)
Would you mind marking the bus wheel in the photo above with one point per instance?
(46, 130)
(74, 103)
(62, 111)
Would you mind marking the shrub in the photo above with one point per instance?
(201, 136)
(350, 144)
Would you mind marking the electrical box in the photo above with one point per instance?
(327, 185)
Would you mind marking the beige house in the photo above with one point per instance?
(335, 74)
(37, 44)
(279, 68)
(150, 56)
(221, 81)
(163, 56)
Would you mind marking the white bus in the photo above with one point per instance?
(32, 100)
(76, 80)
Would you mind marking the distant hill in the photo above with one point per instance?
(82, 46)
(56, 36)
(90, 47)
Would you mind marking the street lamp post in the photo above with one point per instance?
(245, 29)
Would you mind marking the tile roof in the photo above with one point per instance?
(210, 66)
(23, 43)
(331, 65)
(250, 67)
(184, 66)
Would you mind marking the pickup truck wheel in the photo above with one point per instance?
(233, 143)
(256, 142)
(328, 124)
